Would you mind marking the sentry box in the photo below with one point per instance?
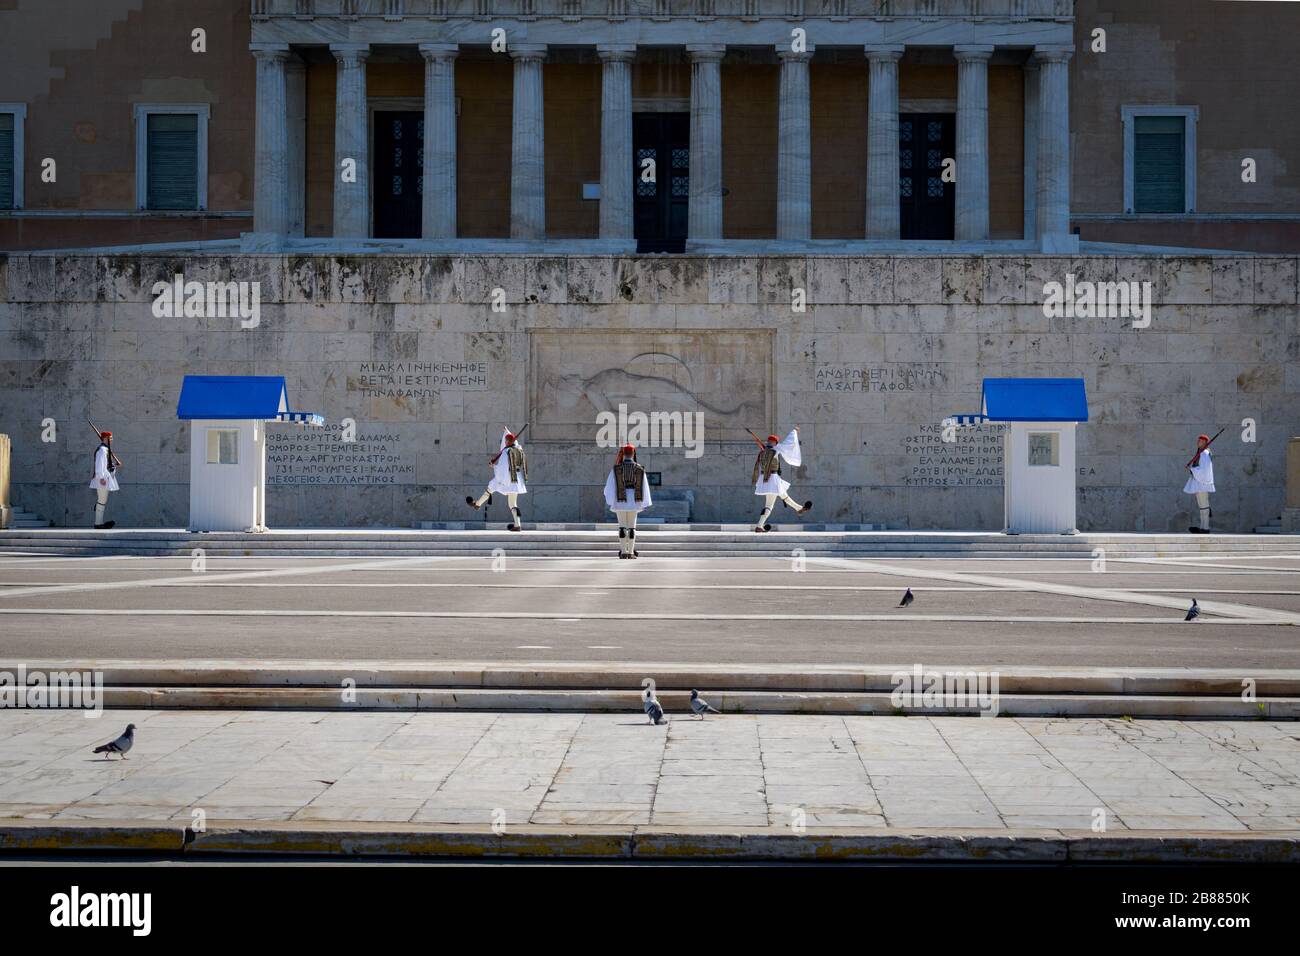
(1039, 477)
(228, 416)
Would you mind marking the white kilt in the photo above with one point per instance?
(501, 483)
(771, 485)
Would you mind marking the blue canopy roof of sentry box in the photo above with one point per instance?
(228, 397)
(1034, 400)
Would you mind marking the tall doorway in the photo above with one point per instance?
(660, 206)
(398, 174)
(927, 204)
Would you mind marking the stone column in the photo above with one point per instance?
(882, 143)
(296, 141)
(270, 177)
(438, 209)
(1054, 149)
(528, 146)
(972, 217)
(351, 141)
(705, 219)
(616, 169)
(1031, 149)
(794, 147)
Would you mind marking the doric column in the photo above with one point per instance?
(972, 141)
(794, 148)
(1031, 149)
(351, 141)
(882, 143)
(438, 209)
(528, 146)
(1054, 148)
(296, 142)
(270, 177)
(616, 169)
(705, 218)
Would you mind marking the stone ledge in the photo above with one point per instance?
(659, 843)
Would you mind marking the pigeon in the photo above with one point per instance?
(119, 746)
(700, 706)
(1193, 612)
(653, 709)
(908, 598)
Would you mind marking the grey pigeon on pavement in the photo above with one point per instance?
(908, 598)
(119, 746)
(653, 709)
(1193, 612)
(700, 706)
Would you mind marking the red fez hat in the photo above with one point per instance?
(509, 438)
(1202, 437)
(774, 439)
(628, 449)
(105, 434)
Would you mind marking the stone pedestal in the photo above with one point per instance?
(6, 512)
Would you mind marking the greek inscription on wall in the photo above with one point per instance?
(319, 456)
(974, 460)
(417, 379)
(913, 377)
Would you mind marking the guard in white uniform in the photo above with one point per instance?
(1201, 483)
(509, 470)
(767, 475)
(104, 479)
(627, 493)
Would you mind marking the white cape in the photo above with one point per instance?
(788, 449)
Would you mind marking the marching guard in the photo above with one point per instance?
(104, 479)
(509, 471)
(767, 475)
(627, 492)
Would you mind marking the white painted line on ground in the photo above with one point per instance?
(565, 616)
(1241, 611)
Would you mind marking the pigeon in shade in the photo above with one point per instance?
(653, 709)
(700, 706)
(908, 598)
(119, 746)
(1193, 612)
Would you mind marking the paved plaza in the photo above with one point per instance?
(728, 610)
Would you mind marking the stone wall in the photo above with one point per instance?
(412, 349)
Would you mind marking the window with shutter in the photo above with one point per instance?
(173, 158)
(7, 164)
(1159, 159)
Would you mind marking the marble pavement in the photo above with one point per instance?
(615, 769)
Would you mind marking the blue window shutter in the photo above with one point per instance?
(1159, 153)
(173, 157)
(7, 161)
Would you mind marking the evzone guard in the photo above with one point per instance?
(509, 471)
(767, 474)
(103, 478)
(627, 492)
(1200, 482)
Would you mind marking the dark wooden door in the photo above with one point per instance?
(399, 174)
(927, 203)
(660, 205)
